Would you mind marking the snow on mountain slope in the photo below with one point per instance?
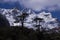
(49, 21)
(46, 16)
(11, 15)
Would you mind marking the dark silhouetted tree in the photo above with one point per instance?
(23, 17)
(38, 20)
(38, 25)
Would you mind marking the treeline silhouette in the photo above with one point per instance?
(19, 33)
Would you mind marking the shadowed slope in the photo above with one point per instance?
(3, 21)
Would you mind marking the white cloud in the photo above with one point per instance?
(42, 4)
(39, 5)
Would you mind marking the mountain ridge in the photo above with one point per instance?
(49, 21)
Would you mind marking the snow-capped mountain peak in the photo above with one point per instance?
(46, 16)
(11, 15)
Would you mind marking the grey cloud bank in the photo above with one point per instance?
(38, 5)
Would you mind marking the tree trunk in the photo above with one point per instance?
(22, 22)
(39, 26)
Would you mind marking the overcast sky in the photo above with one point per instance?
(38, 5)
